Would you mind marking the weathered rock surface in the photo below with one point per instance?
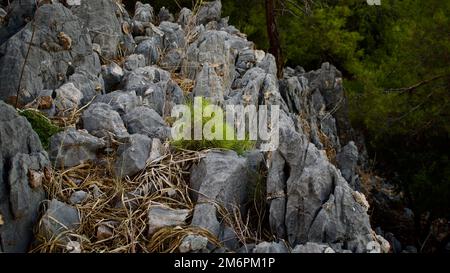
(100, 18)
(132, 155)
(73, 147)
(78, 197)
(57, 55)
(145, 121)
(143, 12)
(150, 48)
(271, 247)
(160, 216)
(68, 98)
(58, 219)
(318, 205)
(218, 50)
(209, 11)
(112, 75)
(312, 248)
(120, 101)
(165, 15)
(185, 17)
(102, 121)
(155, 87)
(20, 11)
(220, 178)
(174, 36)
(192, 243)
(22, 163)
(347, 161)
(134, 61)
(311, 176)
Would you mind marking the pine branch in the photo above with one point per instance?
(417, 85)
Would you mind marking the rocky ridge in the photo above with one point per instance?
(123, 74)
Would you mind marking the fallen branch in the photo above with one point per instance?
(26, 56)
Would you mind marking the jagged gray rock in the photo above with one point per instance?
(171, 61)
(63, 54)
(132, 155)
(311, 204)
(218, 49)
(68, 98)
(134, 61)
(209, 11)
(101, 120)
(58, 218)
(328, 81)
(143, 13)
(90, 85)
(71, 148)
(220, 177)
(144, 120)
(143, 79)
(312, 248)
(257, 87)
(174, 36)
(271, 247)
(78, 197)
(304, 98)
(268, 64)
(25, 195)
(100, 18)
(165, 15)
(246, 60)
(192, 243)
(19, 12)
(160, 216)
(150, 48)
(120, 101)
(112, 75)
(22, 163)
(185, 17)
(347, 161)
(156, 88)
(317, 205)
(209, 85)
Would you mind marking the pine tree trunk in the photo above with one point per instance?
(274, 37)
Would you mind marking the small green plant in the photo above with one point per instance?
(239, 146)
(41, 125)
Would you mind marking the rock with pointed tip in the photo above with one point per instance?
(132, 155)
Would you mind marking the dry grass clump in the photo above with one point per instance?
(120, 206)
(169, 239)
(302, 118)
(186, 84)
(367, 182)
(70, 117)
(329, 149)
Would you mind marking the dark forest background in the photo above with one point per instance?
(396, 61)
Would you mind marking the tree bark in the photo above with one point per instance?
(274, 37)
